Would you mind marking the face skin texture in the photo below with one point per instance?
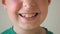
(15, 7)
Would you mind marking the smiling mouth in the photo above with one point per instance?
(28, 15)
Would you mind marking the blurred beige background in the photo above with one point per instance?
(52, 21)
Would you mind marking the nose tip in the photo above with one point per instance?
(29, 4)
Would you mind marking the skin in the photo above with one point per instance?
(14, 7)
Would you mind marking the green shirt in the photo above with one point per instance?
(11, 31)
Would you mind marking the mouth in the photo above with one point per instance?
(28, 15)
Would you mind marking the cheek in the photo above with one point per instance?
(43, 6)
(14, 5)
(12, 8)
(44, 9)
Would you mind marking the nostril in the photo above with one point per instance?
(25, 5)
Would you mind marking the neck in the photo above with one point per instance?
(32, 31)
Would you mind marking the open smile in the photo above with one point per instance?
(28, 15)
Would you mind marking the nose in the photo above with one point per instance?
(29, 4)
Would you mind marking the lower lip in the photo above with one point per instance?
(28, 19)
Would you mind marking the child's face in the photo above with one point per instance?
(27, 14)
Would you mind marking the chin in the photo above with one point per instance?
(27, 26)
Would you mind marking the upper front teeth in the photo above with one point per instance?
(28, 15)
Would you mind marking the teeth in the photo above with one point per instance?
(28, 15)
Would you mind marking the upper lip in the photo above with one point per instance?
(28, 12)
